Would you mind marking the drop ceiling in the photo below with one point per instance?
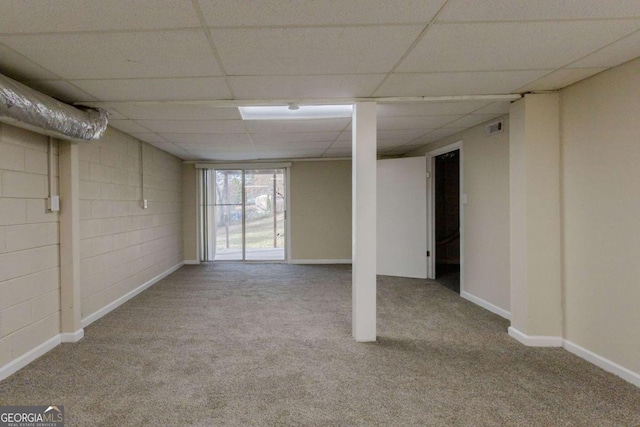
(160, 66)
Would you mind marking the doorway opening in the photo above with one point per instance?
(447, 228)
(243, 215)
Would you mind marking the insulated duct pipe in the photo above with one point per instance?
(29, 109)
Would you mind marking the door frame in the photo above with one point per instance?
(431, 208)
(286, 166)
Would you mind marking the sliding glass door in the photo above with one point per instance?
(244, 214)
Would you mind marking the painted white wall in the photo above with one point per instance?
(29, 246)
(601, 212)
(122, 245)
(402, 217)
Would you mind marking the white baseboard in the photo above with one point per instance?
(606, 364)
(110, 307)
(28, 357)
(191, 262)
(486, 305)
(20, 362)
(320, 261)
(535, 341)
(72, 336)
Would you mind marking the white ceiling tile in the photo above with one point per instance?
(341, 143)
(312, 12)
(471, 120)
(318, 86)
(222, 146)
(61, 90)
(410, 147)
(34, 16)
(511, 46)
(149, 137)
(194, 126)
(127, 126)
(392, 151)
(499, 107)
(195, 88)
(337, 152)
(612, 55)
(470, 83)
(392, 136)
(417, 122)
(282, 126)
(115, 114)
(288, 138)
(171, 148)
(524, 10)
(16, 66)
(339, 50)
(345, 135)
(403, 134)
(203, 138)
(180, 53)
(177, 112)
(289, 154)
(437, 135)
(293, 145)
(216, 155)
(387, 144)
(561, 78)
(430, 108)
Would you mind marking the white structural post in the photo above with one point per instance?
(364, 221)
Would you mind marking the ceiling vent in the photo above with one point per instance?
(495, 127)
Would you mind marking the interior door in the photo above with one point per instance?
(402, 217)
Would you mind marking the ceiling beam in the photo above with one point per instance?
(310, 101)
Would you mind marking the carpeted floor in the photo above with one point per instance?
(270, 344)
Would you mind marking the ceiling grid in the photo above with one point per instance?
(188, 56)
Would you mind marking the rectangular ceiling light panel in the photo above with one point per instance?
(295, 112)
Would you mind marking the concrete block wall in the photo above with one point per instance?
(123, 245)
(29, 244)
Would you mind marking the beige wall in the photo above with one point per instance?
(601, 207)
(486, 214)
(190, 219)
(536, 278)
(320, 210)
(122, 245)
(29, 245)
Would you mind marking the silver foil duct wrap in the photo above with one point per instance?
(27, 108)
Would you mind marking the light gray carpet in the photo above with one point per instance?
(270, 344)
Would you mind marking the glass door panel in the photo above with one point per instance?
(264, 214)
(228, 211)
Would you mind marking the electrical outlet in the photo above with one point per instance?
(53, 203)
(145, 204)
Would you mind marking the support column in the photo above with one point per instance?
(70, 313)
(536, 265)
(364, 221)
